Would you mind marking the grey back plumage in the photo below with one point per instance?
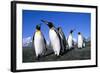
(63, 38)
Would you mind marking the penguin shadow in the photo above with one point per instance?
(48, 54)
(67, 50)
(45, 56)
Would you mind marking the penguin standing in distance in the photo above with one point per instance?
(81, 41)
(54, 38)
(39, 42)
(70, 40)
(63, 39)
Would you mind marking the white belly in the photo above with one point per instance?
(39, 44)
(70, 41)
(80, 41)
(55, 41)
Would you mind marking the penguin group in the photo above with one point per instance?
(57, 40)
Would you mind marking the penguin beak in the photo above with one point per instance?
(45, 22)
(49, 24)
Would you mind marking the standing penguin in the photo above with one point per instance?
(54, 38)
(70, 40)
(63, 39)
(81, 41)
(39, 42)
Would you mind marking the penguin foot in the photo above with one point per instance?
(58, 56)
(38, 57)
(61, 53)
(79, 48)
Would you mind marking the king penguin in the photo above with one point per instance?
(39, 42)
(63, 39)
(70, 40)
(54, 38)
(81, 41)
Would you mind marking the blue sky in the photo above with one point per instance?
(67, 20)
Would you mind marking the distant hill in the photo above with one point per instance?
(27, 42)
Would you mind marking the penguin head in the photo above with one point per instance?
(49, 24)
(71, 31)
(38, 27)
(59, 28)
(79, 33)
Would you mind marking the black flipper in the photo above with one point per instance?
(72, 44)
(84, 42)
(45, 49)
(45, 43)
(33, 39)
(33, 47)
